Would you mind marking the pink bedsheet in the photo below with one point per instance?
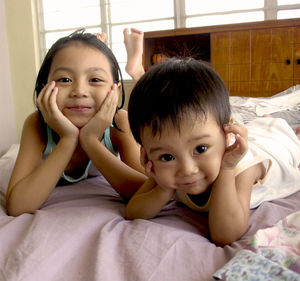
(80, 234)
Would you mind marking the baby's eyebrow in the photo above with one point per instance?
(155, 149)
(199, 138)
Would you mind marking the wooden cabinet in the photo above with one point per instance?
(253, 59)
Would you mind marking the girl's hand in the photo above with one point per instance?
(103, 118)
(46, 102)
(235, 152)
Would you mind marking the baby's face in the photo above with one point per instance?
(188, 160)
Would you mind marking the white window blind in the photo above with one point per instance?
(58, 18)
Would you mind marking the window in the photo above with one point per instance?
(58, 18)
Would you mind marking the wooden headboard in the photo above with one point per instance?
(254, 59)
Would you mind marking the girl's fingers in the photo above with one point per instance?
(44, 95)
(111, 101)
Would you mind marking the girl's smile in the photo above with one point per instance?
(83, 77)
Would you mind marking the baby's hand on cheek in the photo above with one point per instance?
(235, 152)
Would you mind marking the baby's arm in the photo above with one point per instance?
(148, 201)
(230, 195)
(134, 46)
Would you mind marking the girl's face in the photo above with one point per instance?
(189, 160)
(83, 77)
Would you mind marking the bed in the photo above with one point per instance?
(80, 232)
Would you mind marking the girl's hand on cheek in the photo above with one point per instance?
(235, 152)
(104, 117)
(46, 102)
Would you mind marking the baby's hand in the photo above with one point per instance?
(104, 117)
(235, 152)
(46, 102)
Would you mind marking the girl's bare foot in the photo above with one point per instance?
(134, 46)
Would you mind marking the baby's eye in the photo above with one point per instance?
(64, 80)
(166, 157)
(200, 149)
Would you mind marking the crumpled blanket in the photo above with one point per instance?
(272, 254)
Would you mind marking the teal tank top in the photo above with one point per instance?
(106, 141)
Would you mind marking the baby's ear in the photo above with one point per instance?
(146, 163)
(143, 156)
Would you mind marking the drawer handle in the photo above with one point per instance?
(288, 61)
(298, 61)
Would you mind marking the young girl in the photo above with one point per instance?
(78, 124)
(180, 114)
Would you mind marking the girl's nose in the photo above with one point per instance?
(79, 90)
(188, 167)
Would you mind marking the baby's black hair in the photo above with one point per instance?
(171, 92)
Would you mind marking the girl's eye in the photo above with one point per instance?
(96, 80)
(166, 157)
(200, 149)
(64, 80)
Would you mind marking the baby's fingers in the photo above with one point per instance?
(236, 129)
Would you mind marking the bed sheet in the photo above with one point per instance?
(80, 234)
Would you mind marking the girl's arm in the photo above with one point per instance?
(33, 179)
(230, 195)
(124, 175)
(148, 201)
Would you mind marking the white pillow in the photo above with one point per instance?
(7, 162)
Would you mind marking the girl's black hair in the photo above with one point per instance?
(171, 92)
(87, 39)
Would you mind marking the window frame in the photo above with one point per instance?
(270, 9)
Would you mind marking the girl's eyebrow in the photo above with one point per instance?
(90, 69)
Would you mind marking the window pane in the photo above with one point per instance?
(138, 10)
(117, 30)
(224, 19)
(68, 13)
(52, 37)
(288, 14)
(287, 2)
(118, 46)
(213, 6)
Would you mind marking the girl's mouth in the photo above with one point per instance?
(79, 108)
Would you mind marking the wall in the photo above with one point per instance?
(23, 49)
(21, 56)
(7, 118)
